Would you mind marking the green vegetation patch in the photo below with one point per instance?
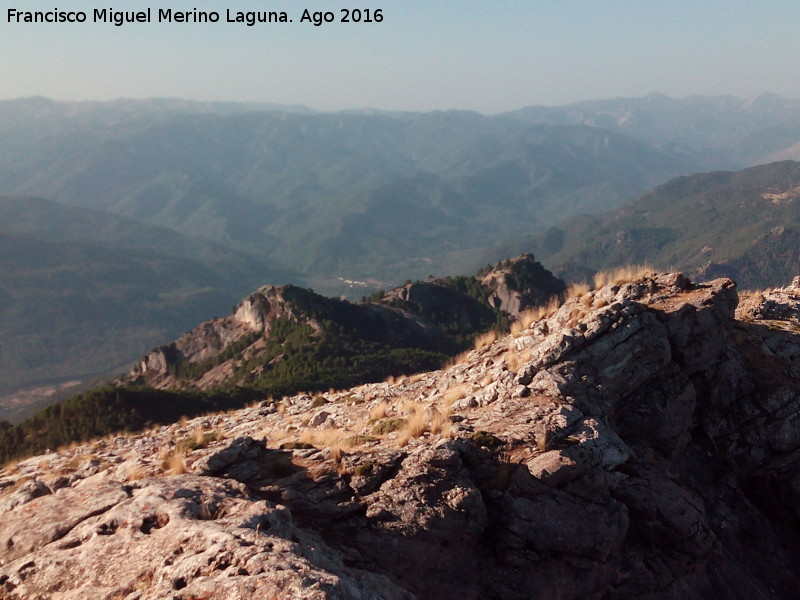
(388, 426)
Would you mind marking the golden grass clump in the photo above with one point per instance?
(485, 339)
(421, 421)
(577, 290)
(458, 359)
(534, 315)
(416, 425)
(378, 411)
(10, 467)
(515, 359)
(440, 423)
(200, 438)
(621, 275)
(135, 472)
(455, 393)
(411, 407)
(332, 439)
(522, 323)
(71, 447)
(416, 377)
(199, 435)
(575, 315)
(173, 461)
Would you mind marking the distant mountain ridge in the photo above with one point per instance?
(744, 225)
(84, 290)
(355, 194)
(732, 132)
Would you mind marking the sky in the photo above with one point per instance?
(488, 56)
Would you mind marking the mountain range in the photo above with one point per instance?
(125, 223)
(84, 290)
(744, 225)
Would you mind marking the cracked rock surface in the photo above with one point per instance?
(640, 442)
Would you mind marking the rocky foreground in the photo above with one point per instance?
(638, 442)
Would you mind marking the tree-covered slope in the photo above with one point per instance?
(84, 290)
(381, 195)
(742, 224)
(281, 340)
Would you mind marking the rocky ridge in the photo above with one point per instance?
(412, 315)
(779, 306)
(640, 441)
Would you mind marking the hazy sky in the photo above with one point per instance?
(483, 55)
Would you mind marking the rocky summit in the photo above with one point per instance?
(432, 315)
(642, 440)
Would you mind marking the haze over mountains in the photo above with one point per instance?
(744, 225)
(83, 290)
(169, 211)
(361, 195)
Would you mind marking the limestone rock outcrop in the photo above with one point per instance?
(412, 315)
(640, 442)
(251, 317)
(519, 284)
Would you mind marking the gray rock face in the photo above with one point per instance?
(639, 442)
(408, 313)
(781, 304)
(187, 537)
(251, 316)
(519, 284)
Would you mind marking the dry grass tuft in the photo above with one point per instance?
(409, 406)
(485, 339)
(173, 461)
(440, 424)
(135, 472)
(416, 425)
(455, 393)
(534, 315)
(200, 438)
(421, 421)
(378, 411)
(525, 320)
(577, 290)
(325, 438)
(11, 466)
(416, 377)
(457, 359)
(515, 359)
(621, 275)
